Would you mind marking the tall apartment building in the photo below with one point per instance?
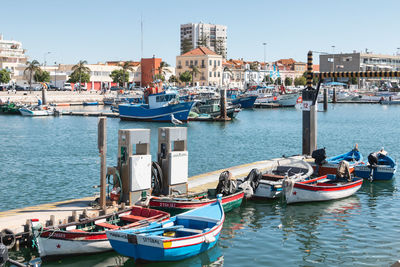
(11, 54)
(202, 34)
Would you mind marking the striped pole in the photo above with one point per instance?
(309, 69)
(356, 74)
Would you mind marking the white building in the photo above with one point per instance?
(12, 55)
(215, 36)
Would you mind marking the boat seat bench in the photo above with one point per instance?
(132, 218)
(190, 231)
(107, 225)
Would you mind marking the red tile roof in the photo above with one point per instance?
(202, 50)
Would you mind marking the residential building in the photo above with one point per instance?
(358, 61)
(12, 55)
(202, 34)
(208, 63)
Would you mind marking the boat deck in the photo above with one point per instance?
(16, 219)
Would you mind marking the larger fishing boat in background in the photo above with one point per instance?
(160, 107)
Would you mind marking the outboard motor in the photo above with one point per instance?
(254, 178)
(343, 171)
(3, 254)
(319, 155)
(226, 185)
(373, 159)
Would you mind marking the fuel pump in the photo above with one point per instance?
(173, 159)
(134, 164)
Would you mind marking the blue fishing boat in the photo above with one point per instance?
(90, 103)
(379, 167)
(160, 107)
(327, 166)
(245, 101)
(180, 237)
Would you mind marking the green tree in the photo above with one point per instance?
(288, 81)
(126, 66)
(185, 77)
(300, 81)
(314, 80)
(203, 40)
(41, 76)
(194, 71)
(119, 76)
(81, 69)
(162, 69)
(173, 79)
(32, 67)
(5, 76)
(159, 76)
(267, 79)
(186, 45)
(278, 81)
(353, 80)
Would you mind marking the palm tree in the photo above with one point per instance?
(162, 68)
(125, 67)
(194, 71)
(81, 68)
(32, 67)
(227, 69)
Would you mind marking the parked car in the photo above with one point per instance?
(19, 88)
(53, 88)
(67, 87)
(116, 88)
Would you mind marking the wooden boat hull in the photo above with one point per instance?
(327, 169)
(307, 192)
(175, 207)
(70, 240)
(160, 246)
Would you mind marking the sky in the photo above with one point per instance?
(99, 31)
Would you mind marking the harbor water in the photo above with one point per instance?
(56, 158)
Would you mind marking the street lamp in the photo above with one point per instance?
(55, 74)
(44, 58)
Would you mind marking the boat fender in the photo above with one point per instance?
(7, 238)
(319, 155)
(209, 239)
(3, 254)
(373, 159)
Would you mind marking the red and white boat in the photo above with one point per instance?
(89, 236)
(320, 189)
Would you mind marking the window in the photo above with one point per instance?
(191, 62)
(219, 74)
(219, 63)
(179, 62)
(210, 74)
(210, 62)
(202, 62)
(215, 74)
(195, 62)
(187, 63)
(215, 63)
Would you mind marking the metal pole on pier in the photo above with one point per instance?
(102, 145)
(325, 99)
(309, 96)
(223, 104)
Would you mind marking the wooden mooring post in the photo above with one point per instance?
(102, 145)
(325, 99)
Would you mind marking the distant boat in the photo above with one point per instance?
(320, 189)
(9, 108)
(183, 236)
(329, 166)
(159, 108)
(88, 236)
(245, 101)
(379, 167)
(36, 111)
(90, 103)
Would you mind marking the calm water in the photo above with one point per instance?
(51, 159)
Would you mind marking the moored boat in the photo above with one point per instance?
(380, 166)
(323, 188)
(93, 103)
(36, 111)
(183, 236)
(160, 107)
(269, 183)
(324, 166)
(88, 236)
(231, 197)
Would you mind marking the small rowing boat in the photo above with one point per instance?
(95, 103)
(380, 166)
(89, 236)
(181, 237)
(323, 188)
(323, 166)
(231, 199)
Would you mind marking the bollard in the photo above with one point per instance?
(325, 99)
(223, 104)
(334, 96)
(102, 146)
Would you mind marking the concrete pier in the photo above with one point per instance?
(63, 210)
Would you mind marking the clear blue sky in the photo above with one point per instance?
(101, 30)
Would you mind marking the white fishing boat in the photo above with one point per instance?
(269, 183)
(36, 111)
